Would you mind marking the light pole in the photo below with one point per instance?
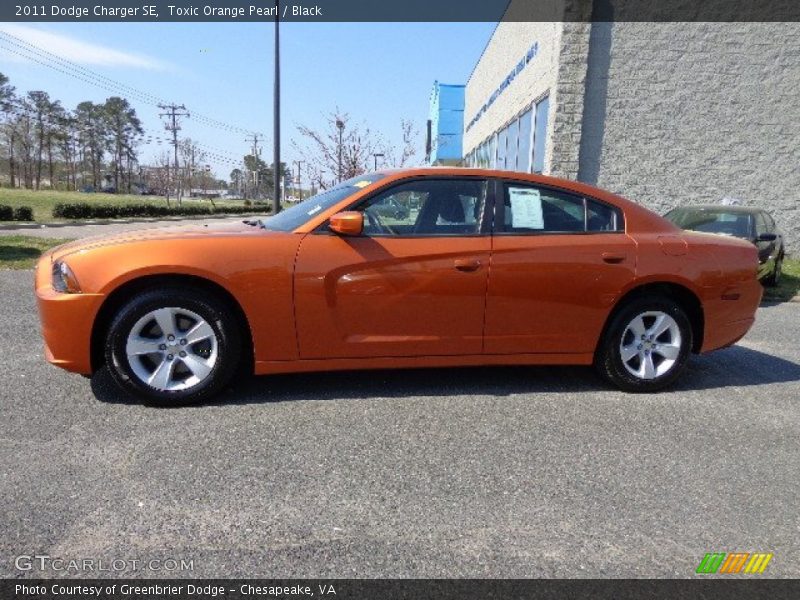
(299, 187)
(340, 127)
(375, 156)
(276, 184)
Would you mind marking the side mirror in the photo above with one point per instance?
(350, 222)
(767, 237)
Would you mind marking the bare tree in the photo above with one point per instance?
(405, 156)
(160, 175)
(320, 148)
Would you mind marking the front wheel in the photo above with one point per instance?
(646, 345)
(173, 346)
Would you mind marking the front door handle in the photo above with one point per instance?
(467, 264)
(613, 259)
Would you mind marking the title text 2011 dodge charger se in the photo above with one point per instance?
(479, 268)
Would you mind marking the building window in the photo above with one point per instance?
(520, 146)
(524, 150)
(492, 147)
(502, 141)
(512, 144)
(540, 135)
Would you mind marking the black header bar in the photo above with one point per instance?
(178, 11)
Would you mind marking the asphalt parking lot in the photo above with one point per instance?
(495, 472)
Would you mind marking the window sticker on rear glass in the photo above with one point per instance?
(316, 209)
(526, 208)
(361, 184)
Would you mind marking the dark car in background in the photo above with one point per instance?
(390, 208)
(749, 223)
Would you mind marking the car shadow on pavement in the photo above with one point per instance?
(733, 367)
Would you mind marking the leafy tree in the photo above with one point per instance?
(7, 101)
(42, 109)
(237, 180)
(90, 124)
(259, 176)
(123, 128)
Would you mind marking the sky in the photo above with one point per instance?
(378, 73)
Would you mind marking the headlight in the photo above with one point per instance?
(64, 279)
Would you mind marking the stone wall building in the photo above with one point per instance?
(662, 113)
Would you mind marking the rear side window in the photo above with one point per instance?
(601, 217)
(531, 209)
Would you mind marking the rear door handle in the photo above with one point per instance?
(613, 259)
(467, 264)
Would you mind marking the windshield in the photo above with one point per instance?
(292, 218)
(735, 223)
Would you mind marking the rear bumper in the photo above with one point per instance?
(730, 315)
(66, 321)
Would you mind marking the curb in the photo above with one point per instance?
(771, 301)
(80, 223)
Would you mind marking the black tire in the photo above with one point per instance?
(609, 360)
(774, 278)
(226, 353)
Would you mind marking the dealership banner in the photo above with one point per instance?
(410, 589)
(405, 11)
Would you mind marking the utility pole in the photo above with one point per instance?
(172, 125)
(256, 152)
(299, 186)
(375, 156)
(191, 173)
(276, 176)
(340, 127)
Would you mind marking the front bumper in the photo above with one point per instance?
(66, 321)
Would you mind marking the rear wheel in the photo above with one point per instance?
(774, 278)
(646, 345)
(173, 346)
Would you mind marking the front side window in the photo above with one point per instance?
(761, 224)
(770, 223)
(530, 209)
(426, 207)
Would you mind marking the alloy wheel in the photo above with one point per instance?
(650, 345)
(172, 349)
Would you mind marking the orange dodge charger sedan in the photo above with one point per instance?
(414, 268)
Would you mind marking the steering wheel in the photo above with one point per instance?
(375, 222)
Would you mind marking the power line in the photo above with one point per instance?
(69, 68)
(32, 48)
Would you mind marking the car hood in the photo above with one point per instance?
(230, 229)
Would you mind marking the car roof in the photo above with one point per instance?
(637, 217)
